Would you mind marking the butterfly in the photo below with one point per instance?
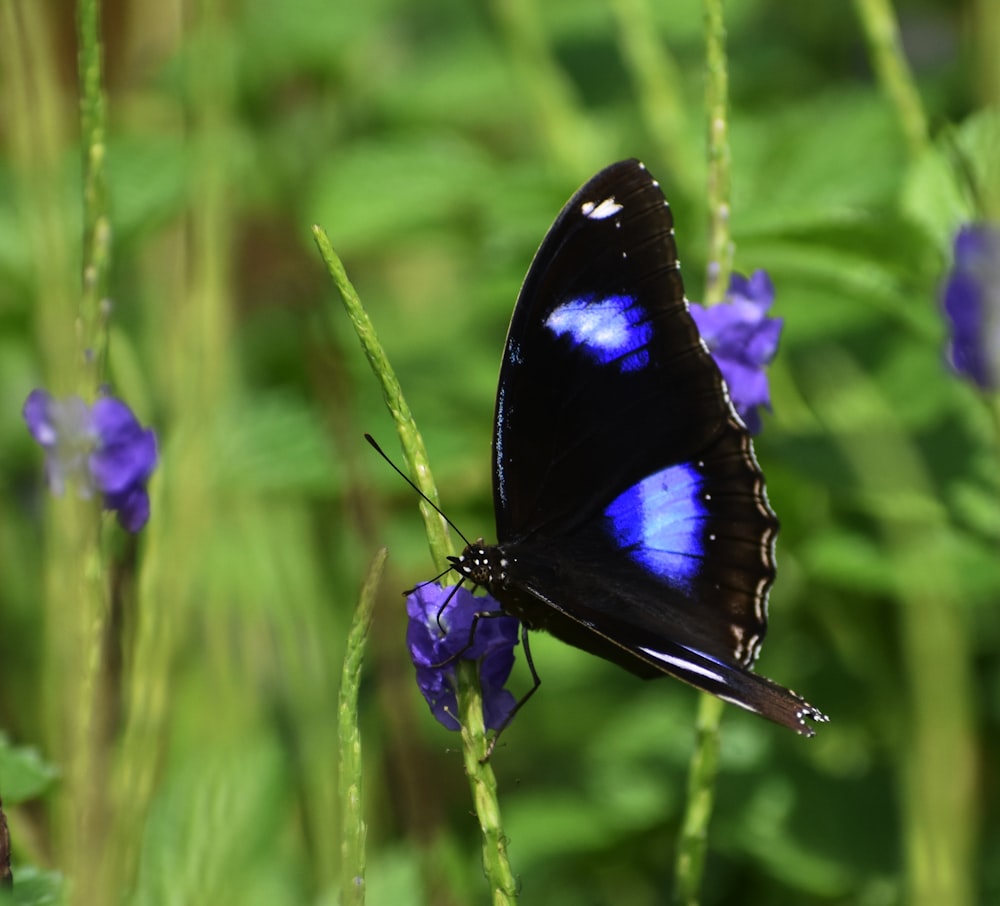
(632, 519)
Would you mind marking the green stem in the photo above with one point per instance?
(352, 844)
(94, 305)
(693, 843)
(92, 875)
(91, 869)
(414, 451)
(570, 137)
(657, 81)
(881, 30)
(481, 777)
(692, 846)
(720, 249)
(483, 784)
(146, 692)
(937, 748)
(986, 15)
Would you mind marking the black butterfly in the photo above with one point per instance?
(632, 519)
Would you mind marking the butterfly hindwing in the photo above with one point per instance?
(632, 517)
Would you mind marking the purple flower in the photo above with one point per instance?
(434, 652)
(100, 448)
(742, 339)
(971, 299)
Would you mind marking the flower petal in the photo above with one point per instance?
(65, 432)
(434, 649)
(126, 454)
(37, 414)
(743, 340)
(971, 303)
(132, 506)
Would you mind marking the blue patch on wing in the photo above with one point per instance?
(612, 329)
(659, 523)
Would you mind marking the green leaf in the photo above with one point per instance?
(24, 774)
(34, 887)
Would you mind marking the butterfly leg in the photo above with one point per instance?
(476, 617)
(536, 682)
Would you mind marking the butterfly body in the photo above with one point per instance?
(632, 517)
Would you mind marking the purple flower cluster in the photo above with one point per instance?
(435, 650)
(743, 340)
(99, 449)
(971, 300)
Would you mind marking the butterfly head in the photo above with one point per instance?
(482, 565)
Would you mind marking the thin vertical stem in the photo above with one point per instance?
(196, 353)
(354, 831)
(720, 250)
(692, 846)
(939, 774)
(93, 875)
(75, 591)
(881, 30)
(414, 450)
(986, 15)
(693, 842)
(94, 304)
(483, 784)
(657, 79)
(571, 139)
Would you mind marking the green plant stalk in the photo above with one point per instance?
(566, 130)
(937, 749)
(481, 777)
(354, 831)
(986, 15)
(881, 31)
(92, 874)
(720, 246)
(196, 350)
(146, 694)
(484, 785)
(693, 842)
(414, 451)
(36, 112)
(689, 867)
(88, 866)
(657, 81)
(75, 594)
(94, 304)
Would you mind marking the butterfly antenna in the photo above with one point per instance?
(371, 440)
(430, 581)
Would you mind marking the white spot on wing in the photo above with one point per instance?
(602, 211)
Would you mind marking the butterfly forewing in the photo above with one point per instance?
(604, 376)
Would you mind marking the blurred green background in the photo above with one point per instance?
(435, 142)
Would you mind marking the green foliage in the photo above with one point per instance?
(23, 772)
(433, 144)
